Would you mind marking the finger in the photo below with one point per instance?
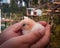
(10, 32)
(14, 27)
(44, 23)
(29, 38)
(45, 40)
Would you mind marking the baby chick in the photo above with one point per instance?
(29, 25)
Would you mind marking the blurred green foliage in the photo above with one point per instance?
(13, 6)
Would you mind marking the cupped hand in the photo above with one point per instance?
(12, 37)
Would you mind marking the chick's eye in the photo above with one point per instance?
(23, 24)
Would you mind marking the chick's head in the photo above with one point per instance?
(27, 24)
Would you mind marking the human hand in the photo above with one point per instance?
(12, 38)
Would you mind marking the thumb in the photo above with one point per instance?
(29, 38)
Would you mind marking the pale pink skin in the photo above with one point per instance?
(31, 25)
(12, 36)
